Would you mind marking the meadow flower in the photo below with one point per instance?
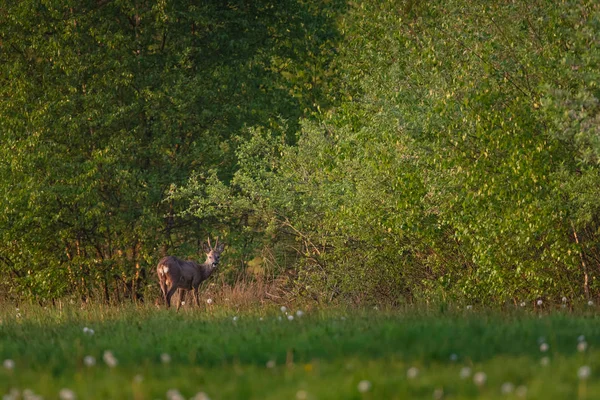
(479, 378)
(582, 346)
(209, 301)
(453, 357)
(523, 304)
(165, 358)
(299, 313)
(271, 364)
(540, 302)
(88, 331)
(581, 338)
(412, 373)
(590, 303)
(235, 318)
(66, 394)
(564, 299)
(110, 359)
(28, 394)
(8, 364)
(301, 395)
(507, 388)
(469, 307)
(544, 347)
(521, 391)
(541, 340)
(283, 309)
(290, 317)
(584, 372)
(201, 396)
(173, 394)
(465, 372)
(545, 361)
(89, 361)
(13, 394)
(364, 386)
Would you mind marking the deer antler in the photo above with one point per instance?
(216, 242)
(209, 245)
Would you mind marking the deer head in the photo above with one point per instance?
(213, 254)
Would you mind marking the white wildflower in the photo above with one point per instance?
(364, 386)
(581, 338)
(66, 394)
(8, 364)
(521, 391)
(89, 361)
(235, 318)
(290, 317)
(209, 301)
(479, 378)
(523, 304)
(283, 309)
(541, 340)
(469, 307)
(299, 313)
(453, 357)
(545, 361)
(544, 347)
(564, 299)
(590, 303)
(507, 388)
(465, 372)
(540, 302)
(584, 372)
(582, 346)
(412, 373)
(201, 396)
(173, 394)
(110, 359)
(271, 364)
(165, 358)
(301, 395)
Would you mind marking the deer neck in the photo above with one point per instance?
(208, 267)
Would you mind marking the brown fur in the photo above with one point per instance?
(175, 273)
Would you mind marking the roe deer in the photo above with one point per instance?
(174, 273)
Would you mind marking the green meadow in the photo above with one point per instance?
(150, 353)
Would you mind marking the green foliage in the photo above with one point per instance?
(105, 105)
(461, 163)
(393, 151)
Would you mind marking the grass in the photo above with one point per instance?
(322, 355)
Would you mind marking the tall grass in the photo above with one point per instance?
(325, 353)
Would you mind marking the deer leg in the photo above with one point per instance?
(169, 295)
(163, 290)
(181, 298)
(196, 296)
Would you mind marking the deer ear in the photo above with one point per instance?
(205, 248)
